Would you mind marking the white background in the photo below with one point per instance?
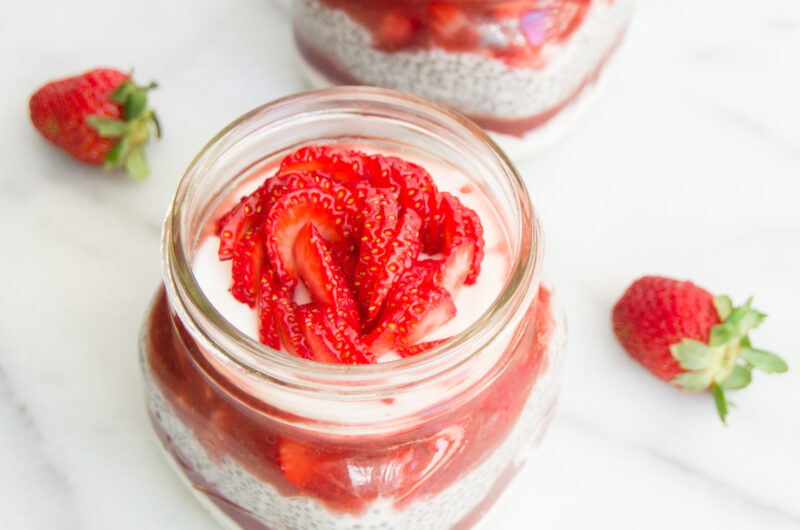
(689, 166)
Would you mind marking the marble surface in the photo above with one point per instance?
(688, 166)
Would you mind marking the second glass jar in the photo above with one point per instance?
(522, 69)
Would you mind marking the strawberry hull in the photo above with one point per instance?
(226, 441)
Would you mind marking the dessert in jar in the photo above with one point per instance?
(521, 69)
(352, 331)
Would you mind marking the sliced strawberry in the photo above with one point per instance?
(330, 206)
(450, 24)
(267, 323)
(286, 313)
(282, 183)
(322, 274)
(394, 31)
(563, 19)
(420, 347)
(234, 224)
(379, 222)
(345, 253)
(411, 184)
(455, 267)
(298, 462)
(419, 273)
(463, 241)
(511, 8)
(410, 314)
(329, 161)
(432, 234)
(331, 339)
(475, 233)
(403, 252)
(248, 256)
(341, 478)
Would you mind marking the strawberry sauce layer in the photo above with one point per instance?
(343, 474)
(515, 32)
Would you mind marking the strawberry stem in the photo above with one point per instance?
(720, 401)
(133, 132)
(727, 361)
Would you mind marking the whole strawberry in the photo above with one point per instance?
(684, 335)
(99, 117)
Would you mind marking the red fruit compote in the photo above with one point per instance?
(352, 331)
(522, 69)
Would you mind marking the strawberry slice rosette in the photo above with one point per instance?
(379, 250)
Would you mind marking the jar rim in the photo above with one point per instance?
(228, 343)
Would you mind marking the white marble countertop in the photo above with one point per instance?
(688, 166)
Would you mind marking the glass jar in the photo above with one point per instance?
(269, 440)
(521, 69)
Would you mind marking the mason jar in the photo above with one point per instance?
(425, 442)
(525, 70)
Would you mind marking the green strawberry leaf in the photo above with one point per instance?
(120, 95)
(724, 306)
(720, 401)
(739, 378)
(118, 154)
(136, 103)
(136, 164)
(107, 127)
(694, 381)
(722, 334)
(745, 319)
(765, 361)
(114, 155)
(692, 354)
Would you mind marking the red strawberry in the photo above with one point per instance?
(450, 24)
(331, 339)
(98, 117)
(283, 182)
(234, 224)
(333, 162)
(463, 242)
(248, 257)
(420, 347)
(411, 184)
(268, 332)
(298, 461)
(404, 250)
(351, 227)
(322, 275)
(378, 221)
(684, 335)
(330, 206)
(394, 31)
(348, 477)
(388, 247)
(287, 318)
(410, 314)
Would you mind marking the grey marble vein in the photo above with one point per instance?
(753, 127)
(722, 489)
(57, 490)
